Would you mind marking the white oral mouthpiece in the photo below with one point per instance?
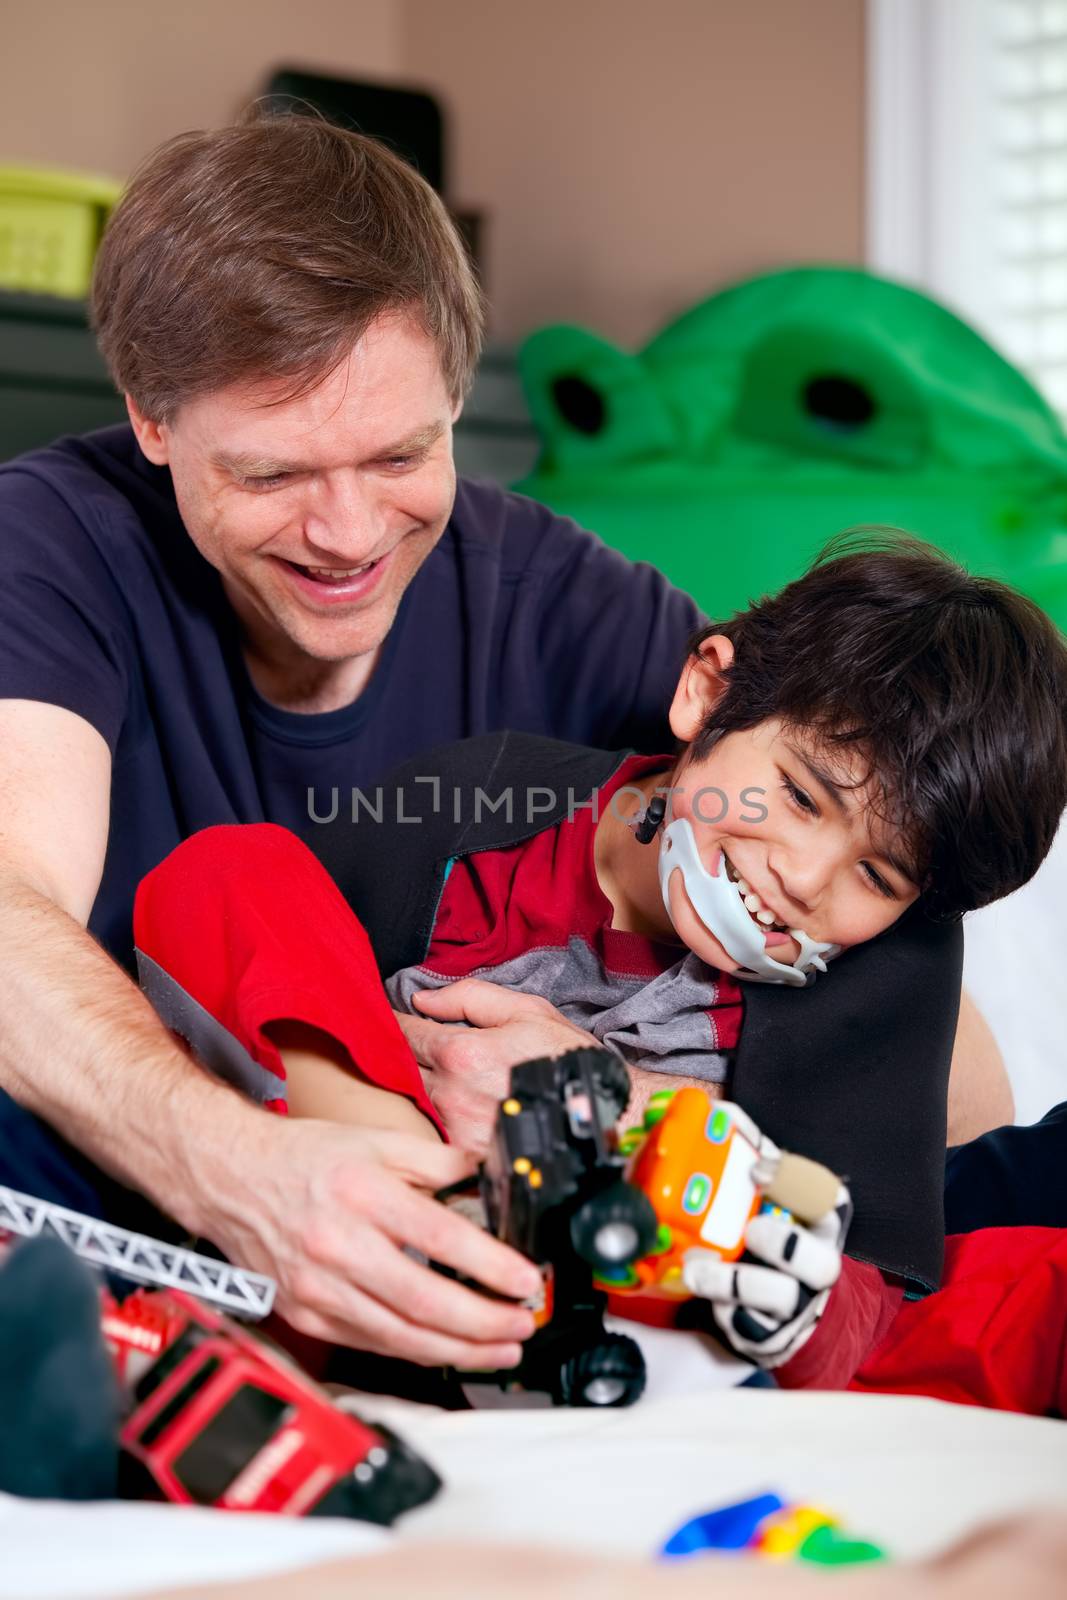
(719, 905)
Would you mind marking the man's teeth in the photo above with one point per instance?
(336, 574)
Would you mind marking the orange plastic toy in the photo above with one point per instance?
(695, 1161)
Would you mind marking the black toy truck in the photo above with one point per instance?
(553, 1187)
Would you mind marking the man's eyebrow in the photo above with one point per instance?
(258, 466)
(413, 443)
(248, 466)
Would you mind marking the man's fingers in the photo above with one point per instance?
(469, 1118)
(367, 1325)
(420, 1161)
(426, 1038)
(430, 1300)
(474, 1000)
(797, 1251)
(411, 1290)
(732, 1283)
(454, 1242)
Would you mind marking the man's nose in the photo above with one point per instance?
(344, 520)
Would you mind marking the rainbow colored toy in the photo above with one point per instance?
(769, 1526)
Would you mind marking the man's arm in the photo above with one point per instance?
(979, 1094)
(325, 1210)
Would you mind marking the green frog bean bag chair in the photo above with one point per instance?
(789, 407)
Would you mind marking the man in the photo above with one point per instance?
(264, 592)
(267, 590)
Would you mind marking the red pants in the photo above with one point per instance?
(994, 1335)
(245, 923)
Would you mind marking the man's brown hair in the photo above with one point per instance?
(264, 250)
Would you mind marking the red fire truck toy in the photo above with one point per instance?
(217, 1416)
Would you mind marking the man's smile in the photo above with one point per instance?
(332, 586)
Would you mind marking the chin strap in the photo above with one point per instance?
(647, 824)
(718, 904)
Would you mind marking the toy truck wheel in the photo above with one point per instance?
(614, 1228)
(609, 1373)
(391, 1480)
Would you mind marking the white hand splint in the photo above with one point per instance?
(769, 1303)
(717, 902)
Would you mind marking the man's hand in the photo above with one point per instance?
(769, 1302)
(333, 1212)
(478, 1032)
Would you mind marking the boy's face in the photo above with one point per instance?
(778, 812)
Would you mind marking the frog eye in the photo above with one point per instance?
(819, 388)
(579, 404)
(593, 404)
(842, 405)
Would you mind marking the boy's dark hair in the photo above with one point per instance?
(954, 688)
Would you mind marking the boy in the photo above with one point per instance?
(866, 756)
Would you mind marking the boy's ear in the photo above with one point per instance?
(150, 436)
(701, 687)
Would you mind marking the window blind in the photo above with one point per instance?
(1027, 185)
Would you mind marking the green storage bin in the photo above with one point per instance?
(50, 225)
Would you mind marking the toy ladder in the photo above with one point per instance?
(133, 1256)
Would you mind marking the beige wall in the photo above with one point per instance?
(631, 155)
(96, 83)
(636, 154)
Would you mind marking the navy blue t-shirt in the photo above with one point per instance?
(517, 619)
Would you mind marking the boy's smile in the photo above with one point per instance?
(794, 825)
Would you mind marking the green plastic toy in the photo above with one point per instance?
(788, 408)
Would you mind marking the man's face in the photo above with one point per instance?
(319, 511)
(807, 845)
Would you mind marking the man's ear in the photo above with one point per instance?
(151, 436)
(701, 687)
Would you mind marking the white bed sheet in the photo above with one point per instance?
(910, 1473)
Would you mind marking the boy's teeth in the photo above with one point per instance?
(751, 901)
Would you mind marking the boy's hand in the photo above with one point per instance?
(467, 1040)
(769, 1302)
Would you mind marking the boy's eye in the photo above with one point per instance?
(877, 881)
(800, 797)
